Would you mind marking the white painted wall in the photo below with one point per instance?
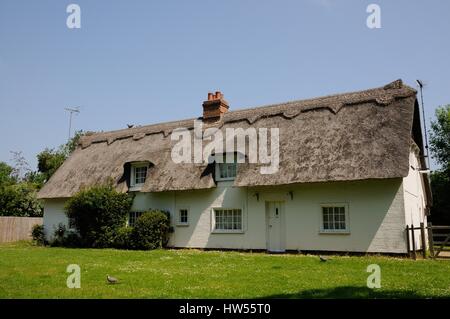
(53, 216)
(414, 196)
(200, 204)
(376, 215)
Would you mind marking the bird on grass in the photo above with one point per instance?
(111, 280)
(323, 258)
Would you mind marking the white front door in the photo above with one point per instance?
(274, 222)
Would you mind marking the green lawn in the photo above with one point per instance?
(27, 271)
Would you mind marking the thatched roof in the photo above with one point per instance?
(351, 136)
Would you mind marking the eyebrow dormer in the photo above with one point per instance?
(138, 175)
(225, 167)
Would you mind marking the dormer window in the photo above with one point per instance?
(138, 175)
(225, 171)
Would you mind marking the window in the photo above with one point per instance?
(138, 175)
(132, 217)
(183, 218)
(72, 223)
(334, 219)
(226, 171)
(227, 220)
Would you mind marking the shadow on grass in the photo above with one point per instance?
(348, 292)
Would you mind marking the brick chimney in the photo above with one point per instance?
(214, 107)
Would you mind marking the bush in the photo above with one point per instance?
(65, 238)
(104, 238)
(98, 213)
(72, 240)
(58, 235)
(123, 238)
(38, 234)
(151, 230)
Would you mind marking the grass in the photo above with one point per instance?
(28, 271)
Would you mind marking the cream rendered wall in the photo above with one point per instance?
(54, 215)
(414, 196)
(200, 204)
(376, 215)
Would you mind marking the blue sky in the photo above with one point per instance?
(145, 62)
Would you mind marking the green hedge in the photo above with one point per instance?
(150, 230)
(98, 213)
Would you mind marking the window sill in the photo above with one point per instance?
(135, 188)
(334, 232)
(230, 179)
(182, 224)
(228, 231)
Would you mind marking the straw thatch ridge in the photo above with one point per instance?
(351, 136)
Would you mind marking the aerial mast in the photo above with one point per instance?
(420, 84)
(72, 111)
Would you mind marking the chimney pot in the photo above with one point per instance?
(214, 107)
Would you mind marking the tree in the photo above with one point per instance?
(71, 145)
(19, 184)
(6, 175)
(17, 196)
(19, 200)
(440, 137)
(440, 179)
(21, 167)
(440, 186)
(49, 160)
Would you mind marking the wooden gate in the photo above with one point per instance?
(439, 240)
(437, 237)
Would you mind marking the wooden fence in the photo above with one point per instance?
(17, 228)
(436, 237)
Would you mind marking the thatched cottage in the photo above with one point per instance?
(350, 178)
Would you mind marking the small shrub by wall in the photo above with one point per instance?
(151, 230)
(38, 234)
(65, 238)
(123, 239)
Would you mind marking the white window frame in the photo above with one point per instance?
(71, 223)
(227, 231)
(335, 231)
(133, 184)
(179, 222)
(138, 214)
(217, 168)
